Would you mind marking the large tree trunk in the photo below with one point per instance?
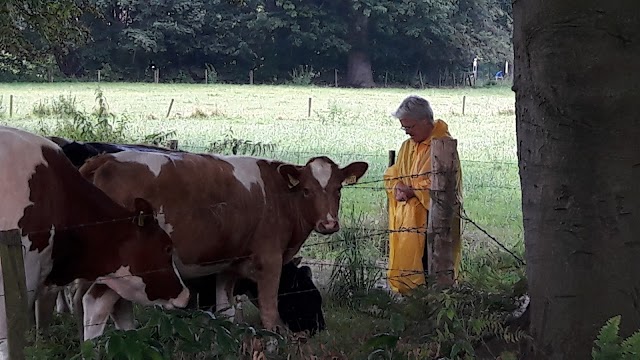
(578, 130)
(359, 73)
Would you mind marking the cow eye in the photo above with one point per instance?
(168, 249)
(306, 192)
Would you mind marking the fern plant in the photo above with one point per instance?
(609, 345)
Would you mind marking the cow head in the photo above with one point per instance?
(318, 185)
(148, 275)
(299, 300)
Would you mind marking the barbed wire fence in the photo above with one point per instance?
(367, 184)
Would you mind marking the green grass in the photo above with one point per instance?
(346, 124)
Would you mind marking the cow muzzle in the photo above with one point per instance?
(327, 227)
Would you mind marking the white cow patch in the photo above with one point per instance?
(96, 312)
(132, 287)
(246, 170)
(18, 160)
(20, 154)
(199, 270)
(321, 170)
(168, 228)
(154, 161)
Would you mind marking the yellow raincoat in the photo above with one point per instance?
(407, 248)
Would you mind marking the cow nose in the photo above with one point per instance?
(327, 226)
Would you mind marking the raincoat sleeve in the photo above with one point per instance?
(392, 173)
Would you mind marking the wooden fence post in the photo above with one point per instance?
(392, 161)
(173, 144)
(309, 110)
(98, 75)
(464, 100)
(335, 76)
(15, 292)
(170, 106)
(443, 197)
(10, 105)
(250, 77)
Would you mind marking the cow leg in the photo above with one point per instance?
(81, 288)
(62, 306)
(98, 304)
(44, 306)
(123, 315)
(268, 279)
(239, 318)
(224, 298)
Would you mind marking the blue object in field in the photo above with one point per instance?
(499, 75)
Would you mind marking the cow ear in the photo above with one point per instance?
(290, 174)
(144, 210)
(353, 172)
(296, 261)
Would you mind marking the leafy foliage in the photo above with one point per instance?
(271, 37)
(609, 345)
(166, 334)
(236, 146)
(100, 125)
(354, 272)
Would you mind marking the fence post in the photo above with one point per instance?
(443, 196)
(309, 111)
(392, 161)
(15, 292)
(170, 106)
(173, 144)
(98, 75)
(10, 105)
(464, 100)
(250, 77)
(335, 76)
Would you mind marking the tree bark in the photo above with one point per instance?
(359, 72)
(578, 130)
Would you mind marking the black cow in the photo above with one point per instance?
(299, 300)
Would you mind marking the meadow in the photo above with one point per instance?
(344, 124)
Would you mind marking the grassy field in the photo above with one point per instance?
(346, 125)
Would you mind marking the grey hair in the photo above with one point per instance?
(414, 107)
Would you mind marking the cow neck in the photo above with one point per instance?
(302, 229)
(86, 230)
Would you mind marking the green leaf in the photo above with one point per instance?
(87, 350)
(382, 341)
(165, 329)
(451, 313)
(182, 328)
(115, 346)
(397, 323)
(631, 345)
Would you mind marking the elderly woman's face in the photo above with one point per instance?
(418, 130)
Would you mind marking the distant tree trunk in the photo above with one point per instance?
(359, 72)
(578, 130)
(68, 62)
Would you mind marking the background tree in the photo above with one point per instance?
(363, 40)
(577, 130)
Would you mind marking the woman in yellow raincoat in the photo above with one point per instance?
(407, 183)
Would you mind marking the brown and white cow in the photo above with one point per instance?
(71, 229)
(230, 215)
